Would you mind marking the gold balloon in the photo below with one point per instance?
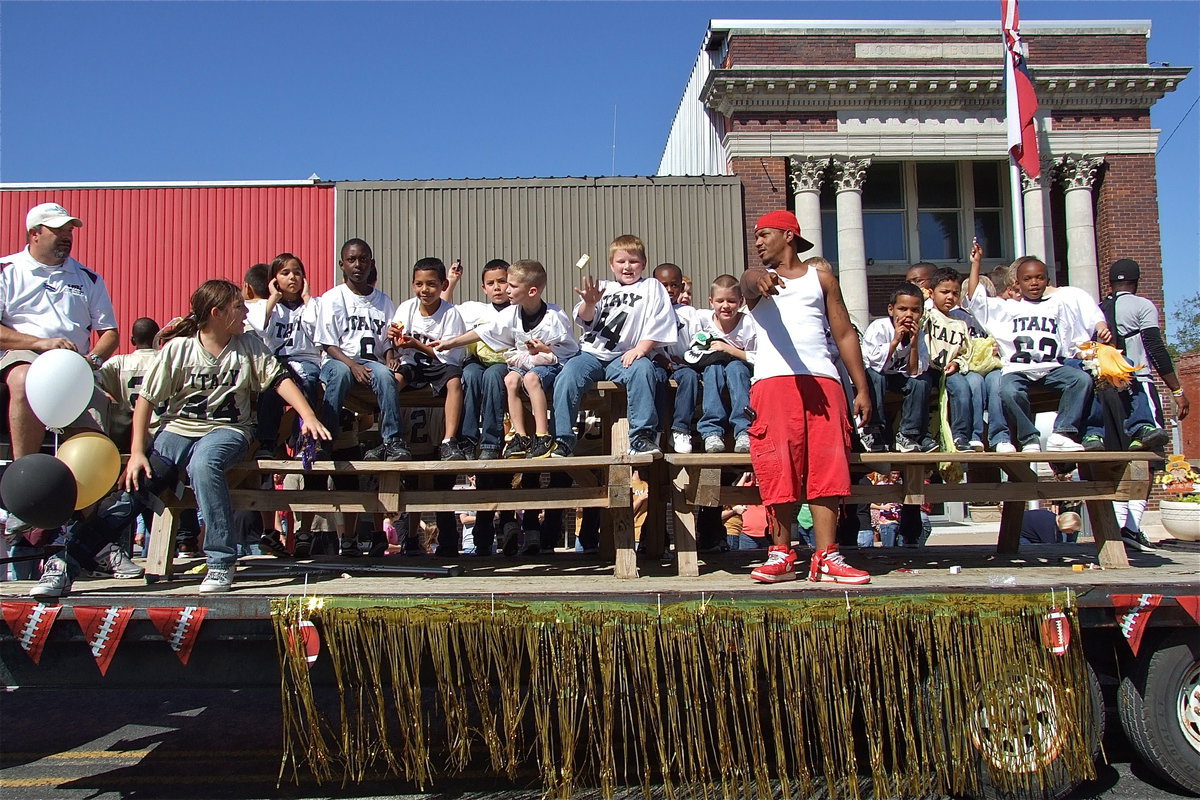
(94, 461)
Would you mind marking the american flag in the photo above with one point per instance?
(1019, 94)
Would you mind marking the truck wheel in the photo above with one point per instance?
(1159, 703)
(1016, 743)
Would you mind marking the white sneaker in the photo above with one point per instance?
(216, 580)
(742, 443)
(681, 442)
(714, 443)
(1005, 447)
(976, 445)
(1057, 443)
(1032, 447)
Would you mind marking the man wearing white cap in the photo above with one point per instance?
(48, 301)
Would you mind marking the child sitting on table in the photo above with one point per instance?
(729, 373)
(949, 331)
(897, 359)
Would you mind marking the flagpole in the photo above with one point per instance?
(1018, 208)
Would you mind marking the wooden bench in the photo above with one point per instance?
(600, 482)
(696, 481)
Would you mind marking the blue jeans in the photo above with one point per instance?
(888, 531)
(484, 403)
(917, 391)
(270, 404)
(687, 389)
(744, 541)
(964, 393)
(206, 460)
(580, 375)
(1138, 404)
(339, 381)
(1075, 400)
(997, 421)
(733, 378)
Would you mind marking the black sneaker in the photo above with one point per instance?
(517, 446)
(1137, 540)
(489, 452)
(272, 542)
(510, 536)
(905, 444)
(1149, 437)
(379, 544)
(562, 449)
(349, 548)
(542, 447)
(302, 544)
(1093, 443)
(873, 441)
(450, 450)
(533, 543)
(391, 450)
(641, 445)
(927, 444)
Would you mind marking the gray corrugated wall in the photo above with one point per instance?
(694, 222)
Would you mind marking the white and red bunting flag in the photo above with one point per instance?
(30, 623)
(1191, 604)
(179, 626)
(1020, 98)
(103, 627)
(1133, 612)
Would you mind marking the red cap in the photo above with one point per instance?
(784, 221)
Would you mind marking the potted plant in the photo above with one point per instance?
(1181, 513)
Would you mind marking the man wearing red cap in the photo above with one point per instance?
(800, 434)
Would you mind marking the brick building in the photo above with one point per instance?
(888, 140)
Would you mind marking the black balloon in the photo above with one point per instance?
(40, 490)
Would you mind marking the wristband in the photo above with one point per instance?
(1177, 392)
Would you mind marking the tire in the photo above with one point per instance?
(1159, 705)
(1036, 749)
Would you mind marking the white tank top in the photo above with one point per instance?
(792, 330)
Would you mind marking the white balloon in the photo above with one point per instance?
(59, 386)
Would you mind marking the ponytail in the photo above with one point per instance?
(211, 294)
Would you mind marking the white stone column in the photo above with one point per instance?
(1078, 174)
(1039, 232)
(849, 172)
(808, 176)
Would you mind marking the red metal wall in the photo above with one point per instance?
(153, 246)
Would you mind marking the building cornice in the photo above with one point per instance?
(720, 29)
(1059, 86)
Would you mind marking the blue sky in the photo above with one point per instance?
(386, 90)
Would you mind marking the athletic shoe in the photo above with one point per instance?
(714, 443)
(379, 545)
(741, 444)
(1058, 443)
(517, 446)
(55, 581)
(216, 580)
(641, 445)
(906, 445)
(392, 450)
(681, 442)
(975, 445)
(533, 543)
(272, 542)
(1005, 447)
(780, 566)
(542, 446)
(510, 536)
(1137, 540)
(302, 544)
(451, 450)
(1149, 437)
(961, 445)
(1031, 447)
(873, 441)
(562, 449)
(1092, 443)
(489, 452)
(348, 548)
(828, 565)
(111, 562)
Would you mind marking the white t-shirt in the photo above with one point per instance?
(877, 339)
(507, 332)
(445, 323)
(355, 323)
(203, 393)
(68, 301)
(743, 336)
(626, 315)
(289, 331)
(1029, 335)
(1081, 315)
(687, 325)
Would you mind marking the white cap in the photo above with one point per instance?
(52, 215)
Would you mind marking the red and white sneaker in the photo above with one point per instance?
(780, 566)
(828, 565)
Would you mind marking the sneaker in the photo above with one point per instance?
(392, 450)
(562, 449)
(1031, 447)
(451, 450)
(302, 544)
(187, 547)
(542, 446)
(111, 562)
(828, 565)
(975, 445)
(681, 442)
(741, 444)
(961, 445)
(489, 452)
(510, 536)
(533, 543)
(1058, 443)
(641, 445)
(272, 542)
(1137, 540)
(927, 444)
(216, 580)
(1149, 437)
(517, 446)
(873, 441)
(904, 444)
(55, 581)
(1092, 443)
(348, 548)
(714, 443)
(379, 545)
(266, 452)
(1005, 447)
(780, 566)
